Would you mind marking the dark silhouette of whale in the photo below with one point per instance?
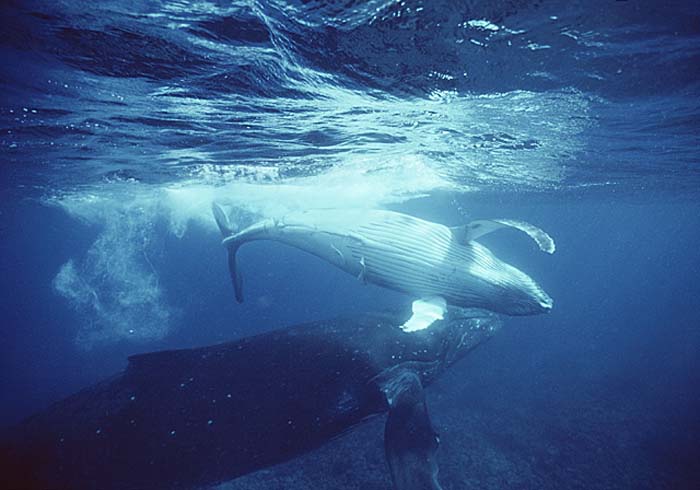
(182, 418)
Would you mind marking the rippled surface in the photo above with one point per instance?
(130, 114)
(426, 95)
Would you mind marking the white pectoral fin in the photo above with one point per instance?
(426, 311)
(479, 228)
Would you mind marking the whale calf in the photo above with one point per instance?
(437, 264)
(185, 418)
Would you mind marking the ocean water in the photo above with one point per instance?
(121, 122)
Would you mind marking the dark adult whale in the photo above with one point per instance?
(176, 419)
(435, 263)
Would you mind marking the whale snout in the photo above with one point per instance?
(520, 295)
(545, 301)
(529, 300)
(468, 328)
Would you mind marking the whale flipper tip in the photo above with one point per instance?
(222, 220)
(476, 229)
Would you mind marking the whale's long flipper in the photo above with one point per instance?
(475, 229)
(410, 440)
(227, 231)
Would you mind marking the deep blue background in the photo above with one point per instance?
(606, 385)
(582, 118)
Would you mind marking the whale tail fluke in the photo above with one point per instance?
(222, 220)
(227, 231)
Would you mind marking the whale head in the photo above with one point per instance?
(464, 329)
(498, 286)
(518, 294)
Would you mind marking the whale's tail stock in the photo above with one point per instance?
(227, 231)
(222, 219)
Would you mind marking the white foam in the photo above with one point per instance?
(482, 24)
(115, 286)
(385, 151)
(362, 182)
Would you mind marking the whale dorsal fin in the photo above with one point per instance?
(475, 229)
(410, 441)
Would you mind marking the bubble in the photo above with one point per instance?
(115, 285)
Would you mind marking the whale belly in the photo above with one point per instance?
(411, 255)
(385, 248)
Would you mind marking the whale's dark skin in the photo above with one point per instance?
(182, 418)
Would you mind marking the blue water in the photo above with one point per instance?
(120, 122)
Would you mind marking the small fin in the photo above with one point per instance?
(426, 311)
(363, 269)
(222, 220)
(410, 441)
(340, 254)
(475, 229)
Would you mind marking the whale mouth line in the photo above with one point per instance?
(546, 303)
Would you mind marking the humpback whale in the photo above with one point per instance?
(183, 418)
(435, 263)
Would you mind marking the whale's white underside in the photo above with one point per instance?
(398, 251)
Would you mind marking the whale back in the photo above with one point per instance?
(189, 417)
